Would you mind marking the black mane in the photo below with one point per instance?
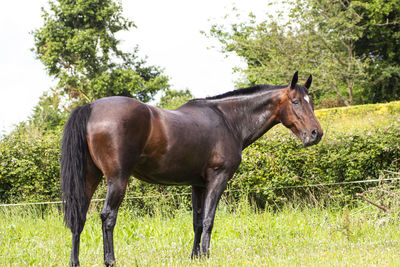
(244, 91)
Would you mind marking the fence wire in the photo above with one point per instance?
(229, 190)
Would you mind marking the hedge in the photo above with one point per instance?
(275, 169)
(29, 166)
(278, 169)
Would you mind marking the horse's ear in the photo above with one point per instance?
(294, 80)
(308, 82)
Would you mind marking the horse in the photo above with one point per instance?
(198, 144)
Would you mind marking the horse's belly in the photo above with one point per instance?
(168, 175)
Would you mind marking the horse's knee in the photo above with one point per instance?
(108, 219)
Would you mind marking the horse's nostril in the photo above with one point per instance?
(314, 132)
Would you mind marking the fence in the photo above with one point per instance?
(232, 190)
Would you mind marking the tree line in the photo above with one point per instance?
(352, 48)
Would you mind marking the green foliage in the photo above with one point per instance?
(335, 26)
(263, 47)
(316, 37)
(359, 143)
(281, 169)
(350, 47)
(30, 165)
(383, 84)
(48, 114)
(380, 42)
(78, 46)
(381, 39)
(173, 98)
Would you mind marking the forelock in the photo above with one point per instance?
(302, 89)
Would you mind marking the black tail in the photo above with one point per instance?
(74, 152)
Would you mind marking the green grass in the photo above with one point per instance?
(242, 237)
(358, 118)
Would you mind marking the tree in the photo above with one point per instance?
(316, 36)
(78, 46)
(48, 113)
(380, 42)
(336, 26)
(173, 98)
(381, 38)
(262, 46)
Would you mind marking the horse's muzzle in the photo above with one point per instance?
(312, 137)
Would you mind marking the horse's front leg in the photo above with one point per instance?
(215, 188)
(115, 193)
(197, 203)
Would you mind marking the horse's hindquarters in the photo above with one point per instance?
(117, 132)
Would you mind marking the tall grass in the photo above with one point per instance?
(242, 236)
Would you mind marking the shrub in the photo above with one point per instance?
(275, 169)
(30, 165)
(278, 168)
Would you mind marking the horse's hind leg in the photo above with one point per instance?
(92, 179)
(116, 188)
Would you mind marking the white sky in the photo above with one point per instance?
(168, 33)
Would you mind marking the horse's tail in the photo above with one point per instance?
(74, 152)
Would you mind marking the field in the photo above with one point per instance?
(242, 236)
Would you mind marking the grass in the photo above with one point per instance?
(292, 236)
(358, 118)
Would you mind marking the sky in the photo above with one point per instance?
(168, 33)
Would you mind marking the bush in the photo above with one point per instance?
(278, 169)
(30, 165)
(275, 169)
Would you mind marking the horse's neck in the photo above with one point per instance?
(250, 116)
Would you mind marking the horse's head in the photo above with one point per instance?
(297, 112)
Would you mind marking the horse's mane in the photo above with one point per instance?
(243, 91)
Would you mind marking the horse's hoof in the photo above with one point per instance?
(110, 264)
(73, 264)
(198, 255)
(205, 255)
(195, 255)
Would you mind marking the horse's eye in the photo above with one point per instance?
(296, 102)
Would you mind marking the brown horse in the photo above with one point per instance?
(198, 144)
